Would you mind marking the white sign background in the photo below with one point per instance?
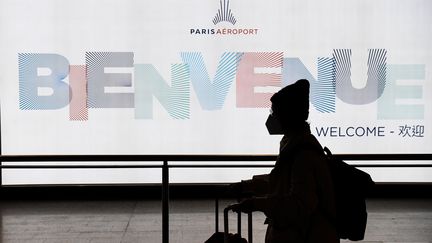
(158, 31)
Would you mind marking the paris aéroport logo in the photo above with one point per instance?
(224, 14)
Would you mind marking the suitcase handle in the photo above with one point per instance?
(226, 224)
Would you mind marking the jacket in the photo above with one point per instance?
(297, 196)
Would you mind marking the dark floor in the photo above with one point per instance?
(390, 220)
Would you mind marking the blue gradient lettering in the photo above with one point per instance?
(31, 80)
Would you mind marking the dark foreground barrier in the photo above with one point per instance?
(168, 161)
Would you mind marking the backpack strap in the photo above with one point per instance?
(327, 152)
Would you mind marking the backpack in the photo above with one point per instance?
(351, 187)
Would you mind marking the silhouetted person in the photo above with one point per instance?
(297, 196)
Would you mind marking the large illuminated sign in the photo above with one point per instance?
(138, 77)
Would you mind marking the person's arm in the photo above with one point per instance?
(257, 186)
(296, 207)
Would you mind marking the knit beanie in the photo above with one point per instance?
(292, 102)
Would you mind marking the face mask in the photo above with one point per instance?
(273, 125)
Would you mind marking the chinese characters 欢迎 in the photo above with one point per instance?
(411, 131)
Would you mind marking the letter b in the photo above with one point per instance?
(32, 80)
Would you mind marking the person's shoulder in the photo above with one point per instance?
(309, 145)
(309, 155)
(310, 150)
(302, 147)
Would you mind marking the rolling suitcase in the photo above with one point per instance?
(226, 237)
